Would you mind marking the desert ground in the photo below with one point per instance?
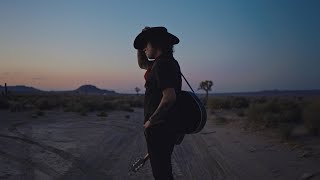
(66, 145)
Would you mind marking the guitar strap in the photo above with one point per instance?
(180, 73)
(187, 82)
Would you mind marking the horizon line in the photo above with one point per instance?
(229, 92)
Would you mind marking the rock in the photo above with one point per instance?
(296, 146)
(252, 149)
(276, 173)
(306, 176)
(305, 154)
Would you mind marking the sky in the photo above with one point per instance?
(240, 46)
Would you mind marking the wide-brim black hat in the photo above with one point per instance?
(155, 34)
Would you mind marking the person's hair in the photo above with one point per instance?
(165, 47)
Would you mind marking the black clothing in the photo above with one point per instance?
(160, 143)
(160, 135)
(165, 73)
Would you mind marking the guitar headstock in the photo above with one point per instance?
(139, 163)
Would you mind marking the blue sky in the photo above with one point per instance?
(239, 45)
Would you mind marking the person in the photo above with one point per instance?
(162, 83)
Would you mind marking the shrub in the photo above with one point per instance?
(137, 102)
(311, 117)
(108, 105)
(37, 113)
(286, 130)
(274, 111)
(228, 102)
(16, 106)
(102, 114)
(83, 112)
(71, 102)
(4, 104)
(258, 100)
(239, 102)
(42, 103)
(40, 113)
(221, 120)
(219, 103)
(241, 113)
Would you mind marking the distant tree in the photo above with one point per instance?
(5, 89)
(206, 86)
(137, 90)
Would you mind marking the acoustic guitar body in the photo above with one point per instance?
(191, 115)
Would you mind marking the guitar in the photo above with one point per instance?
(139, 163)
(191, 114)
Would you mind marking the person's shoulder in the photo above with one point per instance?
(163, 64)
(166, 62)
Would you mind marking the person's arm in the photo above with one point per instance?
(141, 55)
(167, 101)
(143, 60)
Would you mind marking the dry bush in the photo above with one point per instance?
(219, 103)
(16, 106)
(311, 116)
(285, 130)
(71, 102)
(274, 111)
(102, 114)
(228, 102)
(4, 104)
(44, 103)
(239, 102)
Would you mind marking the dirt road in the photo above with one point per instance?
(64, 145)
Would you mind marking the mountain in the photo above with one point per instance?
(272, 93)
(85, 89)
(21, 88)
(90, 89)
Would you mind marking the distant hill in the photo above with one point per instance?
(85, 89)
(90, 89)
(272, 93)
(21, 88)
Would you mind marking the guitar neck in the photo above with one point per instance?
(146, 157)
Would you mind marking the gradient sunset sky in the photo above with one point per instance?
(241, 46)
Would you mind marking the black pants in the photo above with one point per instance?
(160, 142)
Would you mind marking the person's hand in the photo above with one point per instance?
(145, 28)
(146, 124)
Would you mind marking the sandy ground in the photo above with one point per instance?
(63, 145)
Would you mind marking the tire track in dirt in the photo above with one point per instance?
(26, 162)
(65, 155)
(108, 156)
(122, 141)
(82, 168)
(79, 164)
(190, 160)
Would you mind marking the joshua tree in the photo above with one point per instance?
(137, 90)
(206, 86)
(5, 93)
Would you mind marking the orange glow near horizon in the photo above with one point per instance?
(70, 81)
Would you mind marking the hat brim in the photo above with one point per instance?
(142, 39)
